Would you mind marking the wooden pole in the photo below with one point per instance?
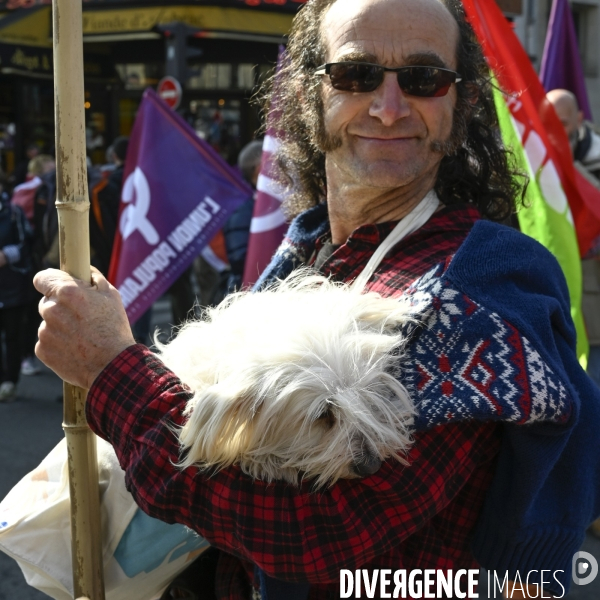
(73, 207)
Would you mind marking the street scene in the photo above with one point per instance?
(299, 299)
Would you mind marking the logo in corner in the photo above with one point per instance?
(585, 568)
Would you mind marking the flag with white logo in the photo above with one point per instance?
(268, 225)
(560, 210)
(177, 193)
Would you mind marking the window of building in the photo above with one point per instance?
(246, 76)
(137, 76)
(212, 76)
(511, 7)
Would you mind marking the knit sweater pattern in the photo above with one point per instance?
(493, 340)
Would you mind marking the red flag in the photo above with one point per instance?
(268, 225)
(516, 75)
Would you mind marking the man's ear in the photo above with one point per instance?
(580, 118)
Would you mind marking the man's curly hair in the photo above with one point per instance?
(476, 168)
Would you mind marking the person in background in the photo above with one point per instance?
(105, 199)
(15, 290)
(237, 227)
(585, 142)
(36, 197)
(21, 170)
(585, 146)
(24, 194)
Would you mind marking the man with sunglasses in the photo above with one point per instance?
(389, 119)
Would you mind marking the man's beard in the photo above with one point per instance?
(457, 137)
(328, 142)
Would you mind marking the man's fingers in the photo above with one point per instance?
(50, 281)
(45, 281)
(99, 281)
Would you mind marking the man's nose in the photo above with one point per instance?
(389, 103)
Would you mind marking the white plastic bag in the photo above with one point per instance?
(141, 555)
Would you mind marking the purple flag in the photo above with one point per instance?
(561, 61)
(177, 193)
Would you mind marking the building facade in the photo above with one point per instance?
(219, 51)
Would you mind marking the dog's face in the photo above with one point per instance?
(295, 383)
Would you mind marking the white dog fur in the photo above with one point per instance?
(298, 381)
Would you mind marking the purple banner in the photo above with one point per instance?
(561, 62)
(177, 193)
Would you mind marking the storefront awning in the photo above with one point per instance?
(206, 18)
(33, 26)
(27, 27)
(284, 6)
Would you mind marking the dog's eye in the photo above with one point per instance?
(327, 417)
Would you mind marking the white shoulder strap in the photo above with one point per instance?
(409, 224)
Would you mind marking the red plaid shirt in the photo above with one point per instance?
(415, 517)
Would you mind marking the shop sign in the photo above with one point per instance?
(26, 58)
(210, 18)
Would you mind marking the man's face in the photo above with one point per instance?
(570, 117)
(386, 138)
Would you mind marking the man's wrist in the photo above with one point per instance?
(118, 352)
(121, 391)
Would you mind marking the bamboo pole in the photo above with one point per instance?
(73, 207)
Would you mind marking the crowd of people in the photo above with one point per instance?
(29, 243)
(25, 246)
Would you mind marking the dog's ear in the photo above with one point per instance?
(366, 463)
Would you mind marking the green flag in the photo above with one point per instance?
(546, 215)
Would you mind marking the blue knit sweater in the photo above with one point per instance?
(502, 289)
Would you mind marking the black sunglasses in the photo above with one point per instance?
(423, 82)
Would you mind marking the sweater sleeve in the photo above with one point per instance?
(546, 488)
(291, 532)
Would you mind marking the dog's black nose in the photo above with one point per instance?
(366, 465)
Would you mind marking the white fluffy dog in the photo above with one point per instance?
(298, 381)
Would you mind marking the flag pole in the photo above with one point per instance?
(73, 206)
